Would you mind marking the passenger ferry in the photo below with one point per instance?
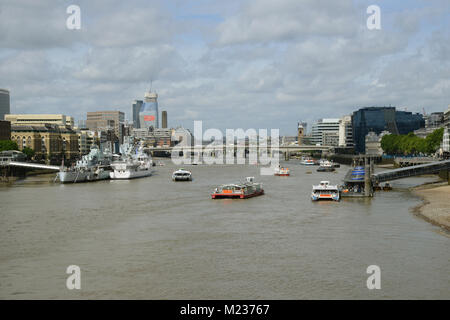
(244, 190)
(182, 175)
(325, 166)
(282, 171)
(325, 191)
(307, 161)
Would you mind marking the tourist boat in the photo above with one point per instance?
(307, 161)
(281, 171)
(182, 175)
(325, 191)
(91, 167)
(131, 165)
(325, 166)
(243, 190)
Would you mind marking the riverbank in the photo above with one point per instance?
(435, 208)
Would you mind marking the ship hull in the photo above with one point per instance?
(236, 195)
(128, 174)
(73, 176)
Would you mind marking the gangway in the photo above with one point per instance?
(428, 168)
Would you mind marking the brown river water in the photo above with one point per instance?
(152, 238)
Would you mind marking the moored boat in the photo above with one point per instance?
(307, 161)
(131, 165)
(325, 191)
(280, 171)
(325, 166)
(243, 190)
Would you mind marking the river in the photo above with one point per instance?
(152, 238)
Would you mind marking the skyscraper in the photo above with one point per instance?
(136, 108)
(148, 116)
(164, 119)
(4, 103)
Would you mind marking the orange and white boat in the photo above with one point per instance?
(282, 172)
(244, 190)
(325, 191)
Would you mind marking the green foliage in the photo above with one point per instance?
(8, 145)
(28, 152)
(412, 144)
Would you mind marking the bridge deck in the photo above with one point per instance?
(30, 165)
(417, 170)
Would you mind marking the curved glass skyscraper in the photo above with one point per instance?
(148, 116)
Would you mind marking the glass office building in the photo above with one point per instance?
(4, 103)
(136, 109)
(378, 119)
(148, 115)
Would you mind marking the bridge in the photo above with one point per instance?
(28, 165)
(428, 168)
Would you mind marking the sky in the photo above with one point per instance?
(232, 64)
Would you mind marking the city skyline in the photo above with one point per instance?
(257, 64)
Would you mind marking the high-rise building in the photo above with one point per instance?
(106, 120)
(148, 116)
(164, 119)
(5, 130)
(379, 119)
(447, 118)
(325, 131)
(136, 108)
(345, 132)
(4, 103)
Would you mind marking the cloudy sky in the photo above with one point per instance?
(232, 64)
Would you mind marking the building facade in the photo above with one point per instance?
(345, 132)
(379, 119)
(164, 119)
(325, 131)
(106, 120)
(49, 141)
(301, 132)
(148, 116)
(5, 130)
(59, 120)
(136, 109)
(4, 103)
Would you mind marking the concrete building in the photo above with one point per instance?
(59, 120)
(5, 130)
(164, 119)
(301, 132)
(373, 143)
(106, 120)
(447, 117)
(4, 103)
(49, 141)
(345, 132)
(331, 129)
(158, 137)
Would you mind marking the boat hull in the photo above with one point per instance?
(128, 174)
(332, 197)
(73, 177)
(282, 174)
(236, 195)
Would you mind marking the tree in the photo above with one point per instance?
(8, 145)
(411, 144)
(28, 152)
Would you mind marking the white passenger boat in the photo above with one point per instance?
(325, 191)
(182, 175)
(325, 166)
(132, 165)
(280, 171)
(307, 161)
